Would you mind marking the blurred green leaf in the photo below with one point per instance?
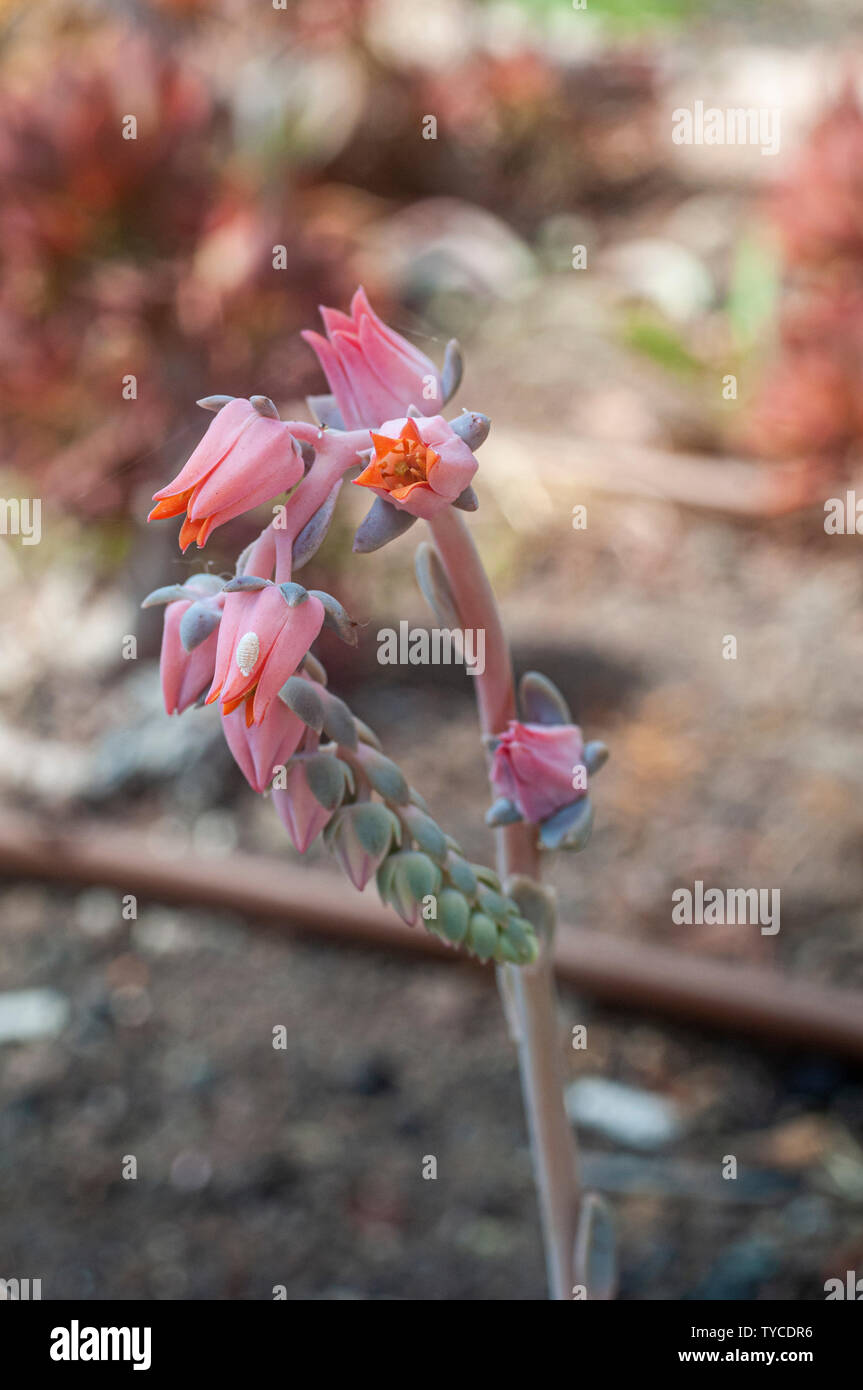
(653, 336)
(622, 15)
(753, 290)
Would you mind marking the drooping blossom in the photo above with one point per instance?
(186, 673)
(419, 465)
(261, 749)
(361, 838)
(245, 458)
(534, 767)
(262, 640)
(299, 810)
(373, 372)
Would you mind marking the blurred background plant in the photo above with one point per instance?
(808, 406)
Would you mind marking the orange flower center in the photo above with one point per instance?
(400, 464)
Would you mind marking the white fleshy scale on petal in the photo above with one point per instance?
(248, 651)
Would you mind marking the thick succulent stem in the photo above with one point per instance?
(529, 991)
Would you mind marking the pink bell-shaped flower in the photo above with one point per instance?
(261, 750)
(373, 372)
(299, 810)
(420, 465)
(185, 672)
(536, 767)
(262, 640)
(244, 459)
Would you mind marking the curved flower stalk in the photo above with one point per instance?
(576, 1224)
(246, 645)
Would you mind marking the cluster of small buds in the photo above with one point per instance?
(377, 825)
(374, 823)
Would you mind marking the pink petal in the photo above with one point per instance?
(259, 750)
(396, 371)
(533, 766)
(361, 308)
(287, 651)
(335, 321)
(337, 379)
(184, 675)
(454, 469)
(237, 611)
(301, 814)
(374, 399)
(422, 501)
(261, 463)
(223, 432)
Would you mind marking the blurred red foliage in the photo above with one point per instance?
(809, 406)
(150, 256)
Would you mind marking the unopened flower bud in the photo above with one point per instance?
(487, 875)
(461, 875)
(453, 915)
(482, 936)
(426, 832)
(301, 813)
(495, 905)
(517, 942)
(533, 763)
(386, 778)
(360, 839)
(519, 933)
(414, 878)
(372, 371)
(326, 778)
